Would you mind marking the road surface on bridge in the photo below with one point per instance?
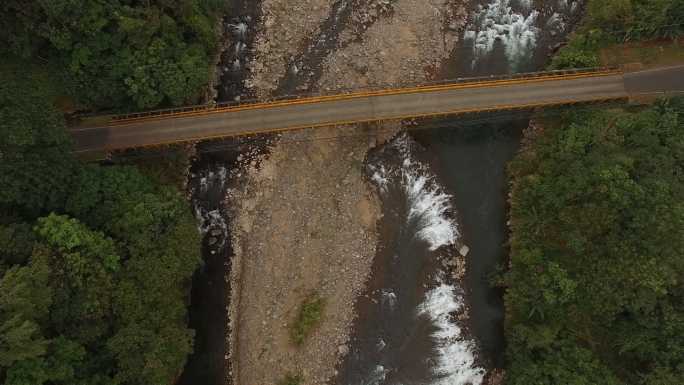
(396, 104)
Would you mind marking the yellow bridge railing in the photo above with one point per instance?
(476, 82)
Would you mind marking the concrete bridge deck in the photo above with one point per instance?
(424, 101)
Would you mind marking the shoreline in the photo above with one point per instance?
(226, 83)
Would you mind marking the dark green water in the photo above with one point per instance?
(471, 162)
(467, 157)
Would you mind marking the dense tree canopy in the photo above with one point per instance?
(95, 261)
(118, 53)
(596, 286)
(33, 169)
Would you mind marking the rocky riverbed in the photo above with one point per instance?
(303, 223)
(305, 219)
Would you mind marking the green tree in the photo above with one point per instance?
(16, 243)
(609, 22)
(35, 164)
(597, 222)
(95, 262)
(83, 264)
(151, 347)
(59, 365)
(158, 237)
(563, 363)
(25, 298)
(118, 54)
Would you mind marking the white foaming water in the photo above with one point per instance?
(210, 220)
(556, 24)
(526, 4)
(389, 299)
(566, 7)
(455, 359)
(379, 177)
(237, 65)
(498, 22)
(213, 178)
(429, 207)
(427, 203)
(240, 29)
(377, 377)
(239, 47)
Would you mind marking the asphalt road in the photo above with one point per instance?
(437, 101)
(658, 80)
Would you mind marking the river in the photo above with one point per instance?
(429, 314)
(209, 181)
(443, 186)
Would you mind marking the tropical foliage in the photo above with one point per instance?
(596, 285)
(95, 262)
(119, 53)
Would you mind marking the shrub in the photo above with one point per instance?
(309, 316)
(291, 379)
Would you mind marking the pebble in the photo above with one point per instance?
(342, 350)
(267, 68)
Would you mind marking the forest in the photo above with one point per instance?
(95, 261)
(595, 290)
(119, 54)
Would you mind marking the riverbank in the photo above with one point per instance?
(213, 172)
(304, 223)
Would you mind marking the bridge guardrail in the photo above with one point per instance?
(322, 93)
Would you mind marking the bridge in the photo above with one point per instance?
(458, 97)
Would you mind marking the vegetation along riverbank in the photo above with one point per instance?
(95, 260)
(594, 290)
(618, 22)
(117, 55)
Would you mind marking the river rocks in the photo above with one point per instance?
(342, 350)
(305, 233)
(403, 45)
(286, 25)
(305, 217)
(464, 250)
